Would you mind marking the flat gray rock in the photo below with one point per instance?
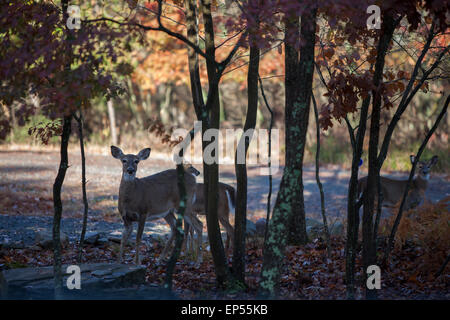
(44, 239)
(38, 283)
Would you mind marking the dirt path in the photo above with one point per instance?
(26, 180)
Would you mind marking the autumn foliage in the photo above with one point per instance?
(427, 228)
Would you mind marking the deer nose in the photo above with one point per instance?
(130, 171)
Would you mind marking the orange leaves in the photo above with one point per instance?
(427, 226)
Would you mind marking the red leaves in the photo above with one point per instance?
(345, 90)
(34, 55)
(158, 128)
(44, 131)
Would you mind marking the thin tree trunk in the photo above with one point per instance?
(165, 113)
(13, 122)
(194, 70)
(269, 196)
(369, 250)
(83, 185)
(57, 204)
(319, 184)
(241, 168)
(352, 207)
(59, 180)
(211, 190)
(112, 121)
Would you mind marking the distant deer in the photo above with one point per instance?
(226, 203)
(151, 198)
(392, 190)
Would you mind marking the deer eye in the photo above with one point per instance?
(136, 161)
(124, 161)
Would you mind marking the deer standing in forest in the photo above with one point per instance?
(392, 190)
(226, 203)
(151, 198)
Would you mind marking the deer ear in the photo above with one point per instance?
(116, 152)
(433, 160)
(144, 154)
(412, 158)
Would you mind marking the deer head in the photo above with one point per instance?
(424, 167)
(129, 161)
(190, 169)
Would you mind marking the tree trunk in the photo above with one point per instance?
(57, 204)
(289, 206)
(369, 250)
(212, 182)
(112, 121)
(241, 168)
(269, 157)
(83, 186)
(352, 207)
(59, 180)
(298, 86)
(319, 184)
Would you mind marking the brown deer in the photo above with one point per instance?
(151, 198)
(392, 190)
(226, 203)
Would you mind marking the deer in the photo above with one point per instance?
(151, 198)
(226, 203)
(392, 190)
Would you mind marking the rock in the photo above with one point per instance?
(260, 227)
(102, 241)
(251, 228)
(91, 237)
(114, 238)
(44, 239)
(38, 283)
(118, 238)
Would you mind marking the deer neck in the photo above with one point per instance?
(127, 186)
(421, 182)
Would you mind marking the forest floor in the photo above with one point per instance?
(26, 180)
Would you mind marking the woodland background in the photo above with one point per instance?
(129, 80)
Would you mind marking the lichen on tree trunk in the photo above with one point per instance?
(288, 218)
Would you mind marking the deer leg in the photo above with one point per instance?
(140, 230)
(128, 228)
(171, 220)
(189, 234)
(224, 220)
(187, 229)
(198, 227)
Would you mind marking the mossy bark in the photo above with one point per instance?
(288, 218)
